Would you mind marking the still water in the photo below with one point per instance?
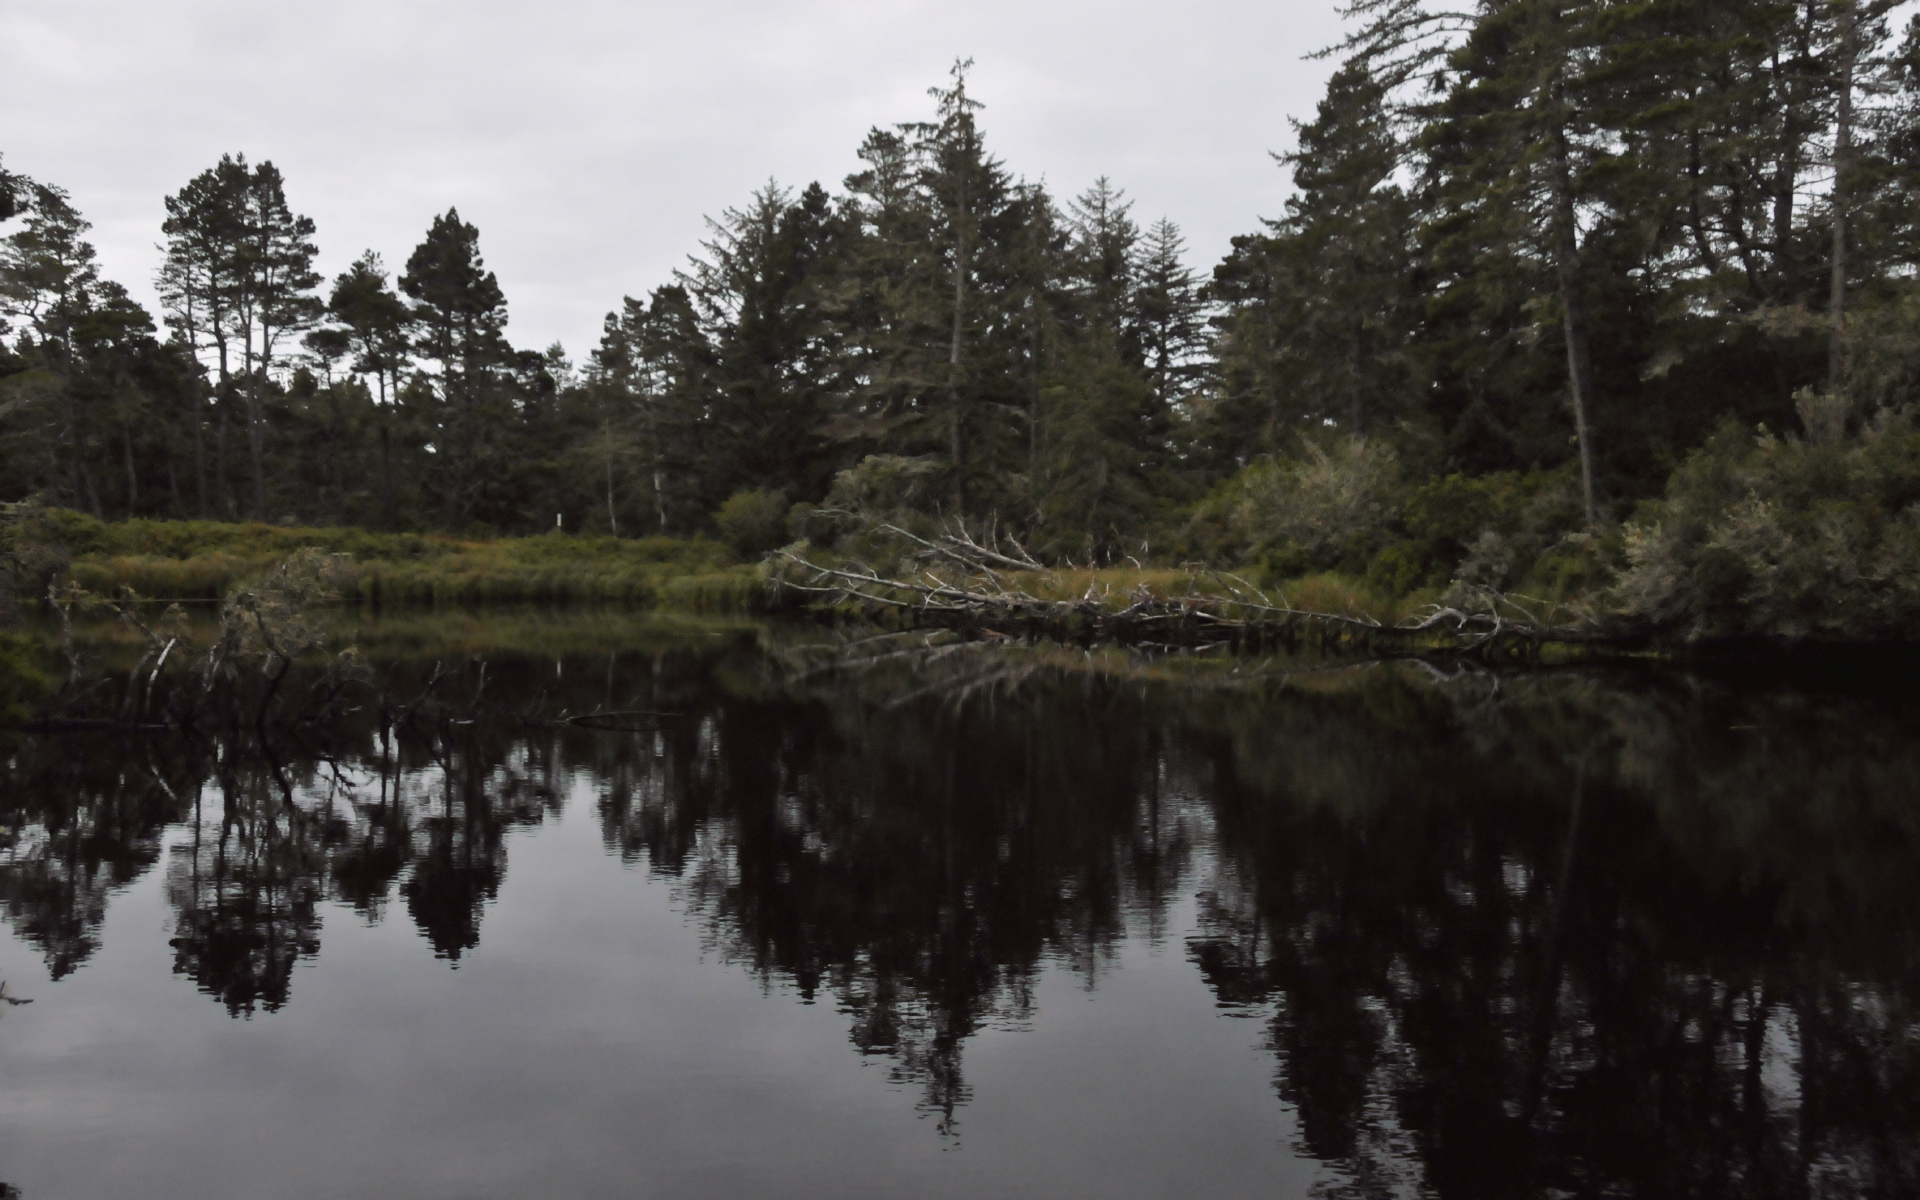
(797, 920)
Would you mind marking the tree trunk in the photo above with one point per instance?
(613, 521)
(223, 400)
(70, 419)
(386, 443)
(256, 446)
(1271, 365)
(221, 481)
(1842, 146)
(200, 451)
(1573, 310)
(256, 419)
(659, 478)
(1785, 178)
(386, 467)
(956, 447)
(133, 478)
(1353, 386)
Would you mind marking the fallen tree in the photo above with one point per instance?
(994, 586)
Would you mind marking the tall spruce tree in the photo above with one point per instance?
(1170, 308)
(1523, 159)
(762, 288)
(972, 205)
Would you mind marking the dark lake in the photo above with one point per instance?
(800, 919)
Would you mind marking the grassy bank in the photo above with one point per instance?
(203, 561)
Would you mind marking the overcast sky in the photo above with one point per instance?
(588, 138)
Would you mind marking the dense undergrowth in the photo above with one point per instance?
(1784, 537)
(1806, 536)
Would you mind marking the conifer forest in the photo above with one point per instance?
(1600, 299)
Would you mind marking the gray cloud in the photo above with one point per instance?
(587, 139)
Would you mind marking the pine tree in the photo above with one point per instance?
(1523, 157)
(14, 190)
(276, 299)
(239, 277)
(652, 383)
(972, 208)
(886, 300)
(460, 313)
(199, 284)
(379, 327)
(48, 274)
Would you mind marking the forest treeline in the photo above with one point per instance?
(1573, 293)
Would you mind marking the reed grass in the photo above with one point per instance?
(205, 561)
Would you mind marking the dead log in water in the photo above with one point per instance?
(961, 583)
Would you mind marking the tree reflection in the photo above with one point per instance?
(1561, 936)
(60, 855)
(916, 862)
(1553, 933)
(245, 884)
(263, 829)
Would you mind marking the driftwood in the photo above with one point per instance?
(961, 583)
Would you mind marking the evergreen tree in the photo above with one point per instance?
(973, 210)
(1171, 307)
(199, 284)
(1522, 157)
(13, 192)
(887, 299)
(761, 291)
(95, 401)
(1102, 252)
(47, 276)
(652, 383)
(238, 279)
(1320, 316)
(275, 299)
(460, 313)
(378, 327)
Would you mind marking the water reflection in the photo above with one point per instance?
(915, 862)
(1557, 936)
(1562, 933)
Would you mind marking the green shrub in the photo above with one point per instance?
(1326, 509)
(30, 558)
(21, 686)
(1770, 536)
(1490, 530)
(753, 522)
(1344, 506)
